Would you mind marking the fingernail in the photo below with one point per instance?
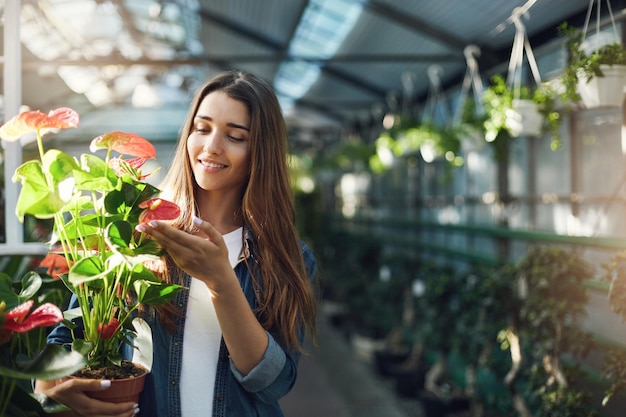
(153, 223)
(197, 220)
(140, 228)
(136, 410)
(136, 406)
(105, 383)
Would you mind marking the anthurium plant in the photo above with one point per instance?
(96, 204)
(24, 317)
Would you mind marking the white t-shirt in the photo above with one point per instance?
(201, 342)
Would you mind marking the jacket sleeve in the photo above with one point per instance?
(276, 374)
(61, 334)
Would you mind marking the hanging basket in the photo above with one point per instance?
(605, 91)
(523, 119)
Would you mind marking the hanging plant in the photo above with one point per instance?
(515, 109)
(587, 65)
(504, 120)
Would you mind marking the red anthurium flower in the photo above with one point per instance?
(30, 121)
(107, 330)
(19, 320)
(125, 144)
(158, 209)
(55, 264)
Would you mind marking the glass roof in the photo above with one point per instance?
(322, 29)
(132, 30)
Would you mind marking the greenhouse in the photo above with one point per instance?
(379, 208)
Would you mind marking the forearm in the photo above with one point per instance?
(244, 336)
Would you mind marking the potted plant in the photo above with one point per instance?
(595, 75)
(523, 112)
(551, 300)
(430, 139)
(96, 204)
(25, 313)
(615, 360)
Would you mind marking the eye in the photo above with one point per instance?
(202, 128)
(235, 139)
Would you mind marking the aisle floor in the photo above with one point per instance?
(332, 382)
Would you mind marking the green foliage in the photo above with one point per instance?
(553, 299)
(25, 356)
(499, 100)
(615, 360)
(96, 204)
(582, 65)
(408, 136)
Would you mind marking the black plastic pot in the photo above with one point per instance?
(410, 382)
(387, 362)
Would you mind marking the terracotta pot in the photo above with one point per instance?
(122, 390)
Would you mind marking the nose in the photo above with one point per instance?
(212, 143)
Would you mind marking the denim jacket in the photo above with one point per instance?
(254, 394)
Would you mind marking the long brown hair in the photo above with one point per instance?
(285, 298)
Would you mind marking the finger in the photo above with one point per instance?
(208, 229)
(164, 234)
(75, 393)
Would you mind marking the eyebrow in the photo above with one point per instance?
(235, 125)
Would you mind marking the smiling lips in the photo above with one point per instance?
(211, 164)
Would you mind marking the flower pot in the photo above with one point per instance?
(386, 362)
(364, 347)
(524, 119)
(409, 382)
(605, 91)
(122, 390)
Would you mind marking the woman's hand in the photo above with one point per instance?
(72, 393)
(203, 256)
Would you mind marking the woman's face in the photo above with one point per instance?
(219, 144)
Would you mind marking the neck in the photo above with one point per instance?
(223, 212)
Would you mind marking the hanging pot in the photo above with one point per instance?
(523, 119)
(605, 91)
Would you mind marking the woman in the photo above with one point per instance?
(235, 338)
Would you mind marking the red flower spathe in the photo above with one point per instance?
(19, 320)
(32, 121)
(125, 144)
(107, 330)
(158, 209)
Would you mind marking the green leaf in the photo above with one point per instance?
(35, 197)
(94, 175)
(118, 236)
(7, 294)
(155, 293)
(82, 347)
(72, 313)
(59, 164)
(53, 362)
(31, 283)
(87, 270)
(149, 247)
